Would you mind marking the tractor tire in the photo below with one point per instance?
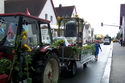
(73, 69)
(47, 73)
(85, 65)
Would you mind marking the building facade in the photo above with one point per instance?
(1, 6)
(88, 34)
(122, 22)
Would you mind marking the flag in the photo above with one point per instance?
(10, 33)
(27, 11)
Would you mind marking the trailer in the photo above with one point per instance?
(73, 52)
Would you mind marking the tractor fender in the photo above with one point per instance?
(46, 49)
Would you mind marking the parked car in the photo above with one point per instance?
(106, 41)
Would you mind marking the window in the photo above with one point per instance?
(8, 30)
(32, 34)
(43, 37)
(46, 16)
(31, 30)
(51, 18)
(45, 34)
(47, 38)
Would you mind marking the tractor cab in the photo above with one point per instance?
(19, 29)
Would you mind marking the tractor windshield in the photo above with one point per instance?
(8, 29)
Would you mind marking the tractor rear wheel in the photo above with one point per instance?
(49, 73)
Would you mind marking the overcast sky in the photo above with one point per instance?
(97, 11)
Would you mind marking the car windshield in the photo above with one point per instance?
(8, 28)
(106, 39)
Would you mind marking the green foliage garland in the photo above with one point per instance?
(5, 65)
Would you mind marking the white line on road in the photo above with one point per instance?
(106, 75)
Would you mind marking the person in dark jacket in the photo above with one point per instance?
(121, 41)
(97, 46)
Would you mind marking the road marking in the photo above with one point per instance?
(106, 75)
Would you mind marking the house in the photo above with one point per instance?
(65, 12)
(122, 22)
(88, 34)
(41, 8)
(1, 6)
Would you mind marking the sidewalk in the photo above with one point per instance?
(117, 74)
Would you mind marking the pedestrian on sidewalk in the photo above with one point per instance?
(121, 41)
(97, 46)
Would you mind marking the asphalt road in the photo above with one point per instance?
(95, 70)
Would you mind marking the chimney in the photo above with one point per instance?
(60, 5)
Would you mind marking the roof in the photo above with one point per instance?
(23, 14)
(35, 6)
(65, 11)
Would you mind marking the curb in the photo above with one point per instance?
(106, 75)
